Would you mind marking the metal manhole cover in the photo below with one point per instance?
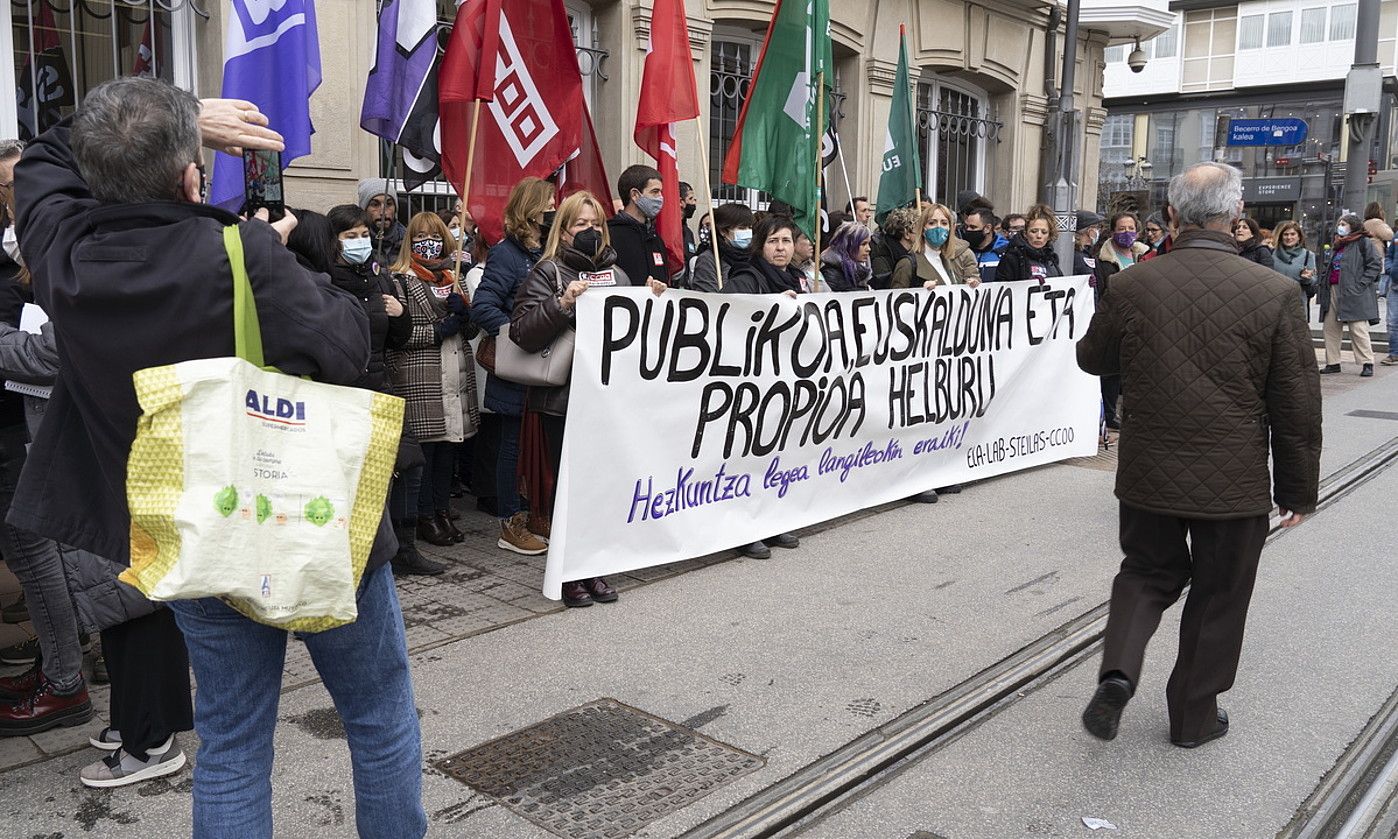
(600, 770)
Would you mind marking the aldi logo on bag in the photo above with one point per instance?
(279, 411)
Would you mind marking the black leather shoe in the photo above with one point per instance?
(1103, 713)
(1330, 368)
(956, 488)
(757, 550)
(928, 497)
(414, 564)
(1212, 735)
(575, 595)
(408, 562)
(1366, 371)
(431, 531)
(445, 525)
(601, 590)
(782, 540)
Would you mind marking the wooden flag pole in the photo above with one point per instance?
(708, 197)
(819, 132)
(466, 185)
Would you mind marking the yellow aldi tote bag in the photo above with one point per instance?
(263, 489)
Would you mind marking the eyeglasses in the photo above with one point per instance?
(203, 182)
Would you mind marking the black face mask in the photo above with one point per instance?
(547, 224)
(689, 211)
(703, 236)
(588, 241)
(974, 238)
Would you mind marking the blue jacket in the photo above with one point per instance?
(506, 268)
(989, 260)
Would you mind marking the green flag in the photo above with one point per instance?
(902, 170)
(776, 147)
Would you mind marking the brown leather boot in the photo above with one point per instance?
(575, 594)
(515, 536)
(14, 688)
(601, 590)
(43, 709)
(541, 526)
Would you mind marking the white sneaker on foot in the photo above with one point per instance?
(119, 768)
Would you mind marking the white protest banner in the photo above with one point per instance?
(702, 422)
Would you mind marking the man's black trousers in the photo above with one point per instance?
(1218, 560)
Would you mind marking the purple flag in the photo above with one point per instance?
(400, 97)
(271, 57)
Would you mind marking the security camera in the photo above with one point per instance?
(1137, 59)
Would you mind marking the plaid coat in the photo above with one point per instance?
(437, 381)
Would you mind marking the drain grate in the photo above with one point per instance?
(599, 771)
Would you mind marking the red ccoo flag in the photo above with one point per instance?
(517, 56)
(668, 96)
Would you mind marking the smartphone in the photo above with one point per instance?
(262, 183)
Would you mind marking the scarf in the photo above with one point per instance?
(1289, 255)
(435, 272)
(778, 279)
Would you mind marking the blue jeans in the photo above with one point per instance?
(238, 666)
(1392, 320)
(507, 501)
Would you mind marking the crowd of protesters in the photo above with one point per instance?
(104, 223)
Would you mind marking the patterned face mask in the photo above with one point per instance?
(428, 249)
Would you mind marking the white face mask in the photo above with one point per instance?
(12, 245)
(456, 233)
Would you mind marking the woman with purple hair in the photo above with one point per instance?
(844, 266)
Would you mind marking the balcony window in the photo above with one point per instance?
(1342, 22)
(1167, 43)
(1313, 25)
(1279, 29)
(1250, 32)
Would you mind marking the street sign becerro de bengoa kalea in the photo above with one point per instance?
(1267, 132)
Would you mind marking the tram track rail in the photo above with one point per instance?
(836, 780)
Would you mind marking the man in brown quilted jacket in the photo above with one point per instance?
(1217, 371)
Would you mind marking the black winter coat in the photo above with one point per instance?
(368, 283)
(1255, 251)
(143, 285)
(1022, 262)
(13, 296)
(639, 251)
(832, 274)
(705, 278)
(762, 277)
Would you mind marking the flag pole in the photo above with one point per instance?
(840, 153)
(708, 196)
(466, 184)
(819, 132)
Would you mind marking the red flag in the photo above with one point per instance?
(145, 55)
(668, 96)
(517, 56)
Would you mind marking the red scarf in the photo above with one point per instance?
(433, 273)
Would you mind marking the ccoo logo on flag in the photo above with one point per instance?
(519, 109)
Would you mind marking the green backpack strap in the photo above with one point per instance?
(247, 332)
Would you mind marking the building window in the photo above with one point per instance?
(730, 73)
(1312, 25)
(1250, 32)
(1279, 29)
(60, 53)
(1114, 55)
(1210, 39)
(1167, 43)
(1342, 22)
(955, 130)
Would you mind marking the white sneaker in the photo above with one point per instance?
(119, 768)
(108, 740)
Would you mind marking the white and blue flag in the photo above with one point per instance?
(271, 57)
